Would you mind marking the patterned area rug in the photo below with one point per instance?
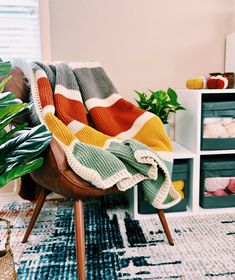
(119, 247)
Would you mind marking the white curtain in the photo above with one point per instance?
(20, 30)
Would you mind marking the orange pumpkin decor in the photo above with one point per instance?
(217, 82)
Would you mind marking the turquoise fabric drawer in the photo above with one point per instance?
(180, 172)
(218, 125)
(217, 182)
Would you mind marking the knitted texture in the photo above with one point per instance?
(125, 145)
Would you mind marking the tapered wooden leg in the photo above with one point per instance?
(37, 209)
(165, 226)
(80, 238)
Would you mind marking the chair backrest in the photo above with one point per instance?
(55, 174)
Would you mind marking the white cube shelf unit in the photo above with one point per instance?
(180, 152)
(187, 145)
(188, 130)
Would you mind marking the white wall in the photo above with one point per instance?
(144, 43)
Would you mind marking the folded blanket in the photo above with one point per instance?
(125, 146)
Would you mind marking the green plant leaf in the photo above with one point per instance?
(3, 134)
(170, 104)
(9, 119)
(143, 102)
(160, 103)
(6, 96)
(20, 170)
(7, 110)
(9, 102)
(142, 96)
(17, 145)
(26, 145)
(4, 137)
(172, 94)
(3, 82)
(162, 95)
(20, 154)
(5, 68)
(180, 107)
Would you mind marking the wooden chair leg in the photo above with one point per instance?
(165, 226)
(41, 199)
(80, 238)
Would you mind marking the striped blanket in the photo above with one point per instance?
(124, 146)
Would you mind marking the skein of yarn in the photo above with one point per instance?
(208, 193)
(179, 185)
(215, 130)
(231, 186)
(216, 183)
(219, 193)
(230, 127)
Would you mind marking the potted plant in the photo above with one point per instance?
(160, 103)
(20, 145)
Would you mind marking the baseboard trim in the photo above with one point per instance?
(10, 197)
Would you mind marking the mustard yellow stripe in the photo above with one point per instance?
(58, 129)
(91, 136)
(153, 134)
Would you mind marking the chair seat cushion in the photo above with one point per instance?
(57, 176)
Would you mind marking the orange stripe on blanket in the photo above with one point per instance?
(68, 110)
(154, 135)
(91, 136)
(45, 92)
(117, 118)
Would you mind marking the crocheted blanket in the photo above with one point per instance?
(124, 146)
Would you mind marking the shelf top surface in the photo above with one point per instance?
(216, 152)
(181, 152)
(207, 91)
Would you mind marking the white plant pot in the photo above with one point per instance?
(167, 128)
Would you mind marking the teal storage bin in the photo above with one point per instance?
(180, 172)
(221, 170)
(218, 125)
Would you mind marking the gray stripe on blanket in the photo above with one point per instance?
(94, 83)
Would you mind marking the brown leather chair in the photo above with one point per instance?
(55, 175)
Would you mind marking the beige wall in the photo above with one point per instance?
(144, 43)
(7, 188)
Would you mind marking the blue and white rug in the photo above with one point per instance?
(118, 247)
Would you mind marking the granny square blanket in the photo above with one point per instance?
(124, 146)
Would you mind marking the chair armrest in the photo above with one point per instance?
(59, 155)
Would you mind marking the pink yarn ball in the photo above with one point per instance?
(219, 193)
(231, 186)
(216, 183)
(208, 194)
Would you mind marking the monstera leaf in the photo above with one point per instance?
(26, 145)
(19, 146)
(8, 117)
(6, 135)
(18, 171)
(5, 68)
